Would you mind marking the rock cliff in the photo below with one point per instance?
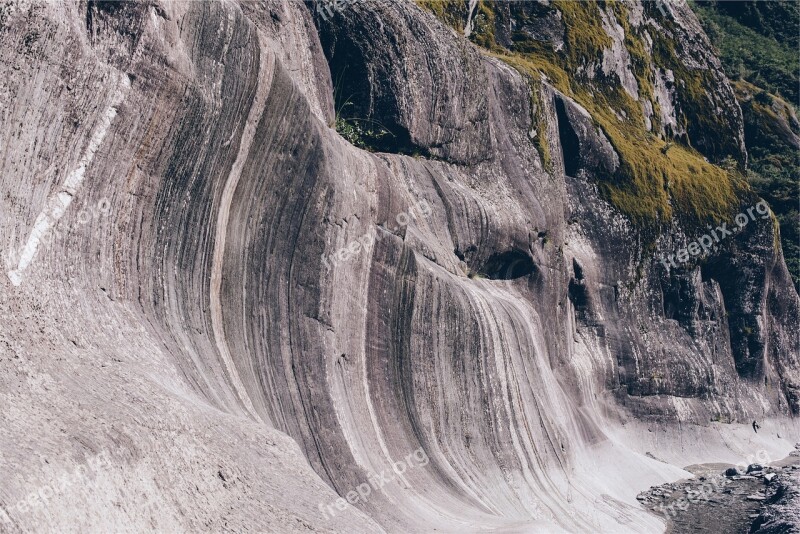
(376, 266)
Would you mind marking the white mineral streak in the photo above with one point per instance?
(470, 14)
(59, 201)
(265, 72)
(617, 59)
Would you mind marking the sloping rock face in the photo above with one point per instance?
(228, 316)
(672, 72)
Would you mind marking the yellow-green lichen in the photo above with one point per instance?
(656, 180)
(585, 37)
(483, 25)
(451, 12)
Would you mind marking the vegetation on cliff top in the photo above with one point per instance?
(657, 179)
(771, 132)
(758, 44)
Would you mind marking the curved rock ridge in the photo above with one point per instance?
(219, 314)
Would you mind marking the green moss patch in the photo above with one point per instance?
(451, 12)
(656, 180)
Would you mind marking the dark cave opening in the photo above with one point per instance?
(570, 144)
(366, 118)
(509, 265)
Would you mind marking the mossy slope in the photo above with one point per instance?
(659, 178)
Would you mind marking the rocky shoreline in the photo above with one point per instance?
(781, 510)
(757, 499)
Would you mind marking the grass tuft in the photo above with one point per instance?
(657, 179)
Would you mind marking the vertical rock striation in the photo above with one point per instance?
(248, 317)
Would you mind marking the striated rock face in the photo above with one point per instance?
(656, 52)
(243, 316)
